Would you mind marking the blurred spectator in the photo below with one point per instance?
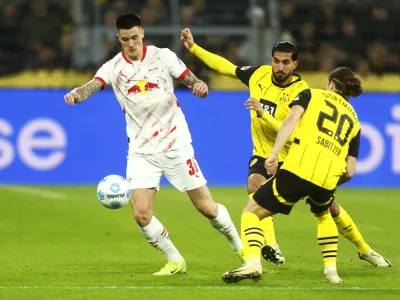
(327, 22)
(158, 11)
(308, 46)
(382, 60)
(363, 68)
(350, 41)
(66, 48)
(187, 16)
(10, 37)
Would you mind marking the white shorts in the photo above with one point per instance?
(178, 166)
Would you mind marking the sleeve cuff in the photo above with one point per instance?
(193, 48)
(183, 74)
(103, 83)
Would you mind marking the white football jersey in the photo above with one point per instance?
(155, 122)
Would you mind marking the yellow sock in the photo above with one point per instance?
(349, 230)
(327, 239)
(252, 236)
(267, 226)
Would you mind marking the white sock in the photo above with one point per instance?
(224, 224)
(330, 270)
(156, 234)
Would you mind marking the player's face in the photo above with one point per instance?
(282, 66)
(131, 41)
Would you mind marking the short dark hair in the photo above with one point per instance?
(127, 21)
(286, 47)
(346, 82)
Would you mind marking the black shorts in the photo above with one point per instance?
(281, 193)
(256, 166)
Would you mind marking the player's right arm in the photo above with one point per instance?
(80, 94)
(100, 81)
(215, 62)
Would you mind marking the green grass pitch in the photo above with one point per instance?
(60, 243)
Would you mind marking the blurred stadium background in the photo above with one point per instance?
(72, 38)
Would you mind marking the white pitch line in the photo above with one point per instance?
(34, 191)
(228, 287)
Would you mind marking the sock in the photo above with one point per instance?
(267, 226)
(350, 231)
(327, 239)
(224, 224)
(252, 236)
(156, 234)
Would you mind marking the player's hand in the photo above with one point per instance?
(199, 89)
(187, 38)
(71, 97)
(254, 104)
(271, 164)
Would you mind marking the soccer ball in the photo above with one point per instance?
(113, 191)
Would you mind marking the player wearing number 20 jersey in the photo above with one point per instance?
(328, 131)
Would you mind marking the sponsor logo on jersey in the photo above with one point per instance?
(253, 162)
(142, 87)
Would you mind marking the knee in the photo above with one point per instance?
(252, 187)
(334, 209)
(318, 215)
(142, 217)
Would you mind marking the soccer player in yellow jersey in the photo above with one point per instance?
(274, 86)
(272, 89)
(322, 156)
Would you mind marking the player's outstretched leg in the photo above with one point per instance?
(349, 230)
(253, 239)
(270, 251)
(218, 216)
(155, 233)
(327, 240)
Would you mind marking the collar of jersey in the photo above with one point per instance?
(343, 96)
(143, 56)
(286, 85)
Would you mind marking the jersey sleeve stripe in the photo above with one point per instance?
(102, 81)
(183, 74)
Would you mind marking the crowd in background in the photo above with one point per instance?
(362, 34)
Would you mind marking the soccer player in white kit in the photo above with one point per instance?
(158, 135)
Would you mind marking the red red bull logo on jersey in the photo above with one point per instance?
(142, 87)
(134, 89)
(150, 86)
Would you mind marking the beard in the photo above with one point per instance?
(281, 78)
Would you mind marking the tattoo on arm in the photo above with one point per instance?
(88, 89)
(190, 79)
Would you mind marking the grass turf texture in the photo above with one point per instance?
(63, 244)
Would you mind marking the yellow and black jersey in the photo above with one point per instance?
(327, 133)
(275, 100)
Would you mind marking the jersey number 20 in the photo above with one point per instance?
(333, 117)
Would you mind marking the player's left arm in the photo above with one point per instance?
(273, 123)
(299, 105)
(178, 70)
(196, 85)
(351, 159)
